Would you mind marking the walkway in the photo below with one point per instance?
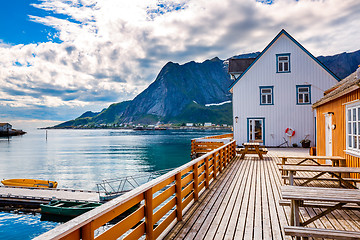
(243, 203)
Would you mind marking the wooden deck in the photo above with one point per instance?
(243, 203)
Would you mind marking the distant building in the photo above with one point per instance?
(272, 94)
(5, 127)
(189, 124)
(208, 124)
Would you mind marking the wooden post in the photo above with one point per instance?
(87, 231)
(149, 222)
(179, 196)
(207, 173)
(196, 181)
(215, 157)
(225, 157)
(221, 153)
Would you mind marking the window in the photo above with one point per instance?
(266, 95)
(352, 128)
(303, 94)
(283, 63)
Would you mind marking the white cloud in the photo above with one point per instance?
(112, 49)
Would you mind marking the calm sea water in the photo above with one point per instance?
(81, 158)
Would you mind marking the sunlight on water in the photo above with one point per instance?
(81, 158)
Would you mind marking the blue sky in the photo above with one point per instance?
(16, 27)
(60, 58)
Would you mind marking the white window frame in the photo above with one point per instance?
(281, 63)
(271, 94)
(303, 94)
(352, 128)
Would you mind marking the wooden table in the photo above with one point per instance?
(252, 148)
(338, 197)
(336, 160)
(333, 171)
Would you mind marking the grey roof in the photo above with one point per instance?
(237, 66)
(348, 84)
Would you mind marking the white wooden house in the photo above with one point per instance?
(4, 127)
(275, 91)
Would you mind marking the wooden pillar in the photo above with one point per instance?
(87, 231)
(149, 222)
(215, 164)
(207, 173)
(196, 181)
(221, 159)
(179, 196)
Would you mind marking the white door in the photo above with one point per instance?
(328, 136)
(256, 130)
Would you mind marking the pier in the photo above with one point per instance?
(215, 196)
(37, 196)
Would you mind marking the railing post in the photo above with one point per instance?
(207, 173)
(149, 224)
(179, 196)
(215, 164)
(221, 160)
(196, 181)
(225, 156)
(87, 231)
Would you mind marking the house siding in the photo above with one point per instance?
(285, 112)
(338, 107)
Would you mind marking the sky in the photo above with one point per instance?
(60, 58)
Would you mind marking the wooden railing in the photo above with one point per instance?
(162, 202)
(200, 146)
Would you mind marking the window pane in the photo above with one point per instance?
(280, 67)
(349, 115)
(349, 128)
(306, 98)
(269, 99)
(354, 129)
(286, 66)
(350, 145)
(284, 58)
(303, 89)
(358, 127)
(358, 114)
(266, 90)
(263, 99)
(301, 98)
(355, 142)
(354, 114)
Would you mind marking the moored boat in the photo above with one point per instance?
(67, 208)
(23, 182)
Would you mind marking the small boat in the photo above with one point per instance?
(23, 182)
(67, 208)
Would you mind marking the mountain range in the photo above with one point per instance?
(192, 92)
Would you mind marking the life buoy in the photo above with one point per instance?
(290, 132)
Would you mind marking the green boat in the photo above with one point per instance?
(67, 208)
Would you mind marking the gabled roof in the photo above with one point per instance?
(270, 44)
(345, 86)
(3, 124)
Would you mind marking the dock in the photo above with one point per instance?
(37, 196)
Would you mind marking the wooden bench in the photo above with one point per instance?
(306, 232)
(353, 180)
(335, 172)
(339, 199)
